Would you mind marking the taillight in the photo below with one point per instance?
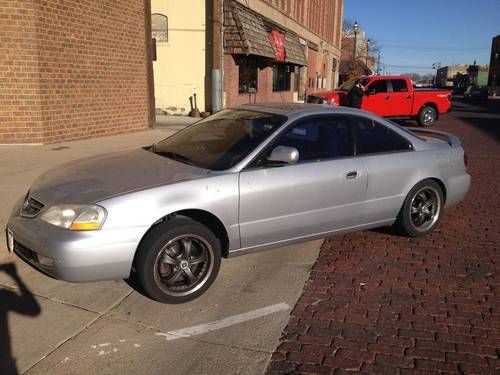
(466, 159)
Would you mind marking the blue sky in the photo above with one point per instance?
(415, 34)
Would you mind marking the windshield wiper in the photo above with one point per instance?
(175, 156)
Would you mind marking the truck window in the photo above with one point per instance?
(378, 86)
(399, 85)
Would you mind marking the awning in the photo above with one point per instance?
(247, 32)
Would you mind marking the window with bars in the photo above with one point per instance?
(159, 27)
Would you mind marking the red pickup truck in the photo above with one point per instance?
(391, 96)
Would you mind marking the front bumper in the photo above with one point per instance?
(77, 256)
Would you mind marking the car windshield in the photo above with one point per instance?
(220, 141)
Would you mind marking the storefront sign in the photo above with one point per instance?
(277, 41)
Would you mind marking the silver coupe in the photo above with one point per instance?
(242, 180)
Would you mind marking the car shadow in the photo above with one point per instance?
(20, 301)
(136, 285)
(489, 125)
(390, 231)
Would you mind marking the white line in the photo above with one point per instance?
(223, 323)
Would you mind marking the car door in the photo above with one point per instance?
(320, 193)
(388, 159)
(377, 98)
(401, 98)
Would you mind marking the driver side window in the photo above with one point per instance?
(378, 86)
(319, 138)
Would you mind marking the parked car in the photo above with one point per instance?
(242, 180)
(474, 92)
(391, 96)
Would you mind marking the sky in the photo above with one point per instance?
(414, 34)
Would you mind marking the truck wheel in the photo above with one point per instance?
(422, 209)
(178, 260)
(427, 116)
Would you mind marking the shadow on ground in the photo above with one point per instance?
(20, 301)
(483, 116)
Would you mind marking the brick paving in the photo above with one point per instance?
(376, 302)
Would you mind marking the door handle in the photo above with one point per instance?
(351, 174)
(408, 97)
(387, 97)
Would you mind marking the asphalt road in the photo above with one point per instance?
(53, 327)
(378, 303)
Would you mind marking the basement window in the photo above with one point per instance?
(159, 27)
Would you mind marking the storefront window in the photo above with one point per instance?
(281, 77)
(247, 80)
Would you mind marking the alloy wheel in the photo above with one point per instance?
(183, 265)
(428, 116)
(425, 208)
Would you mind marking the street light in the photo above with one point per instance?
(355, 28)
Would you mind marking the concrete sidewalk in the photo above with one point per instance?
(20, 165)
(49, 326)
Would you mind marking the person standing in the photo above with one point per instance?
(356, 95)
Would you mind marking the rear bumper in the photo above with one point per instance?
(457, 188)
(75, 256)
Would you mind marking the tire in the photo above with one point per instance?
(427, 116)
(419, 216)
(177, 260)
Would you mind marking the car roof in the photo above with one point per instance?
(291, 108)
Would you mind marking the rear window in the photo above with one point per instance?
(399, 85)
(374, 138)
(406, 130)
(315, 99)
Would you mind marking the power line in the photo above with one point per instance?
(406, 46)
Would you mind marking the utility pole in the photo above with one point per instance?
(355, 28)
(378, 63)
(217, 55)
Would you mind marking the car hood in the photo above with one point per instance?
(97, 178)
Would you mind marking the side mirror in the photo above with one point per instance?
(284, 155)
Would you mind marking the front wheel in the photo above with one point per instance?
(178, 260)
(427, 116)
(422, 209)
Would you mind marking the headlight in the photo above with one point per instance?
(75, 217)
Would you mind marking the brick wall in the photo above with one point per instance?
(264, 86)
(316, 15)
(72, 69)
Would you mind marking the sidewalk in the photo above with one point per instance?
(20, 165)
(53, 327)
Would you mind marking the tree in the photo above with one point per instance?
(364, 60)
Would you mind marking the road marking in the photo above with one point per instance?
(223, 323)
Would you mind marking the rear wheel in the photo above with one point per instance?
(427, 116)
(178, 260)
(422, 209)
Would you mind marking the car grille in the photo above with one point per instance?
(25, 253)
(31, 207)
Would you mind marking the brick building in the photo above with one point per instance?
(494, 73)
(280, 50)
(74, 69)
(446, 75)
